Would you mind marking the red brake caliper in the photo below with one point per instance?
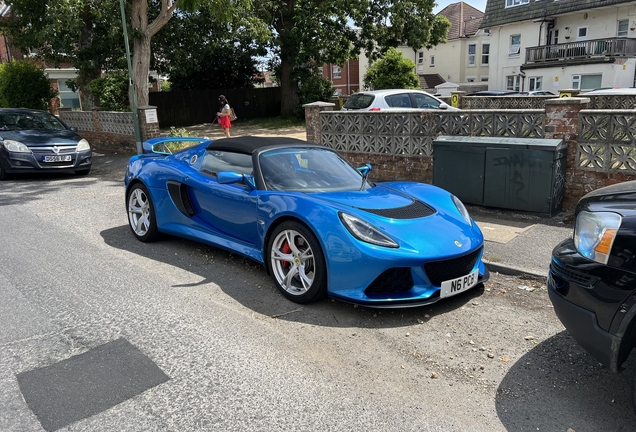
(285, 249)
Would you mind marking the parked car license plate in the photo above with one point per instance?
(65, 158)
(455, 286)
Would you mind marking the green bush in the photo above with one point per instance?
(392, 71)
(314, 88)
(24, 85)
(112, 91)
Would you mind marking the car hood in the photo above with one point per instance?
(376, 198)
(37, 138)
(432, 227)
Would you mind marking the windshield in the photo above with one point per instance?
(358, 101)
(308, 170)
(29, 121)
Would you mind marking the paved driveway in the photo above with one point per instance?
(179, 336)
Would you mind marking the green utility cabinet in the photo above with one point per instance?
(526, 174)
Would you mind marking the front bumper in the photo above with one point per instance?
(582, 326)
(595, 303)
(16, 163)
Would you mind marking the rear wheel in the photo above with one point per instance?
(141, 214)
(296, 262)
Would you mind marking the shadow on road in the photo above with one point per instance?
(557, 385)
(248, 283)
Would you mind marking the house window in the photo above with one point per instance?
(471, 78)
(622, 28)
(420, 58)
(68, 98)
(432, 61)
(515, 45)
(581, 33)
(556, 37)
(472, 50)
(337, 73)
(484, 78)
(535, 83)
(587, 82)
(485, 53)
(512, 82)
(512, 3)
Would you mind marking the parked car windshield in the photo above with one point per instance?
(359, 101)
(308, 170)
(29, 120)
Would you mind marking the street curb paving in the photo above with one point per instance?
(514, 271)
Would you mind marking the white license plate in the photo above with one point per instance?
(65, 158)
(456, 286)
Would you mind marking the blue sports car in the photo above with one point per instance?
(318, 225)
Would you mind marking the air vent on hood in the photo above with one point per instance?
(415, 210)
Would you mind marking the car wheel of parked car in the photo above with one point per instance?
(141, 214)
(83, 172)
(297, 263)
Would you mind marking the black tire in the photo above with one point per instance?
(141, 214)
(300, 273)
(83, 172)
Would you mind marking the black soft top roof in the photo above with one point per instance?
(249, 144)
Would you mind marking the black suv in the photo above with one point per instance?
(592, 278)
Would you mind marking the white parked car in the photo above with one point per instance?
(611, 91)
(396, 99)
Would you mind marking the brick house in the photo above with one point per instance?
(345, 78)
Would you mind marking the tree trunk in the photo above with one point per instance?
(289, 89)
(87, 98)
(141, 51)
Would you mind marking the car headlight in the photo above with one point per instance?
(83, 145)
(594, 234)
(365, 231)
(15, 146)
(462, 210)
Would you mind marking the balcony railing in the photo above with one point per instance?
(596, 48)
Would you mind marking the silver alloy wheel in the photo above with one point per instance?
(139, 212)
(292, 262)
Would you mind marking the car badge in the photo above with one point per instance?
(56, 149)
(297, 261)
(457, 243)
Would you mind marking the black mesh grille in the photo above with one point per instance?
(412, 211)
(395, 280)
(440, 271)
(571, 275)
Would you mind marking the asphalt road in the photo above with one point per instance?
(177, 336)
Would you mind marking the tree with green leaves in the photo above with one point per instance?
(196, 51)
(80, 33)
(392, 71)
(24, 85)
(310, 33)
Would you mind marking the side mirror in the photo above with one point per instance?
(443, 106)
(231, 177)
(365, 169)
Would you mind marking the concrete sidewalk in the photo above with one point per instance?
(520, 244)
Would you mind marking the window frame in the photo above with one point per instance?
(515, 48)
(532, 83)
(618, 28)
(577, 81)
(336, 72)
(432, 61)
(516, 82)
(485, 55)
(472, 58)
(515, 3)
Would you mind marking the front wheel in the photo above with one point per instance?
(141, 214)
(297, 264)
